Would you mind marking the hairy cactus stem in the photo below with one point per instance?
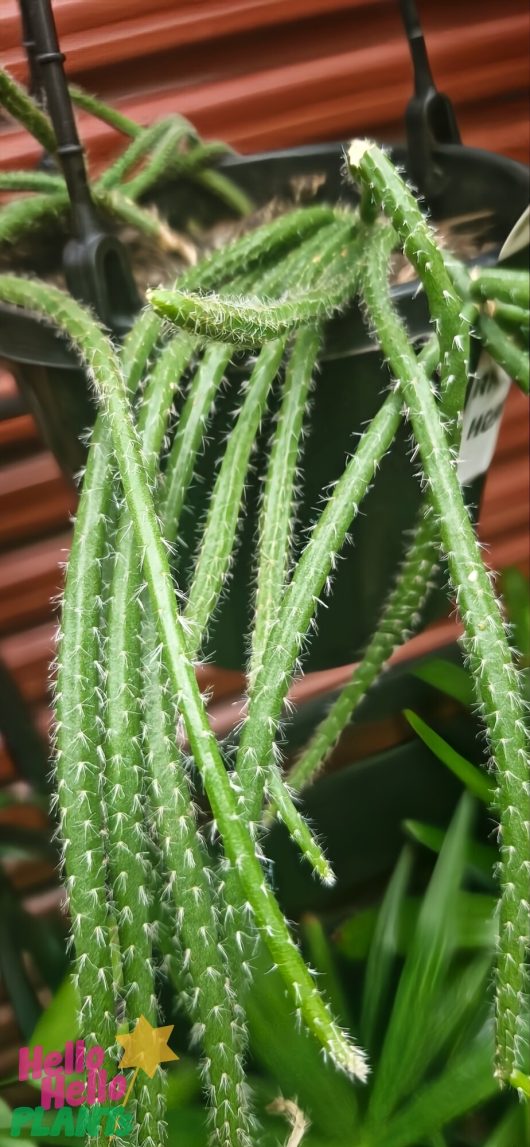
(373, 169)
(411, 588)
(96, 351)
(15, 99)
(494, 673)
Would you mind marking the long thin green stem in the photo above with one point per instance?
(21, 215)
(302, 597)
(100, 110)
(219, 532)
(40, 181)
(95, 350)
(494, 673)
(225, 190)
(279, 492)
(419, 245)
(501, 284)
(304, 263)
(16, 101)
(506, 350)
(160, 161)
(80, 752)
(129, 846)
(397, 621)
(142, 143)
(249, 322)
(210, 1001)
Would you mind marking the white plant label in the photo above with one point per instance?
(482, 418)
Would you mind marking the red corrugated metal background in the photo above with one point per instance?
(269, 73)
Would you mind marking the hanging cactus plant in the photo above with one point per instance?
(134, 746)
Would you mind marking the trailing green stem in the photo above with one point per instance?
(160, 161)
(142, 142)
(258, 247)
(80, 754)
(506, 351)
(302, 596)
(375, 171)
(515, 320)
(16, 101)
(248, 322)
(494, 673)
(397, 621)
(104, 112)
(225, 190)
(21, 215)
(277, 506)
(95, 350)
(40, 181)
(129, 846)
(210, 1001)
(501, 284)
(221, 524)
(305, 263)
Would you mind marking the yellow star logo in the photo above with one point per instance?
(146, 1047)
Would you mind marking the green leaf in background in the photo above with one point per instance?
(293, 1061)
(59, 1022)
(449, 678)
(463, 1006)
(472, 916)
(435, 938)
(516, 595)
(481, 857)
(471, 777)
(322, 960)
(465, 1083)
(6, 1140)
(384, 947)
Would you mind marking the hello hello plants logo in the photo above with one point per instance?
(78, 1095)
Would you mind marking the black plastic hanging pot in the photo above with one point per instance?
(349, 389)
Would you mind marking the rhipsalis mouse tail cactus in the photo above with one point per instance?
(163, 828)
